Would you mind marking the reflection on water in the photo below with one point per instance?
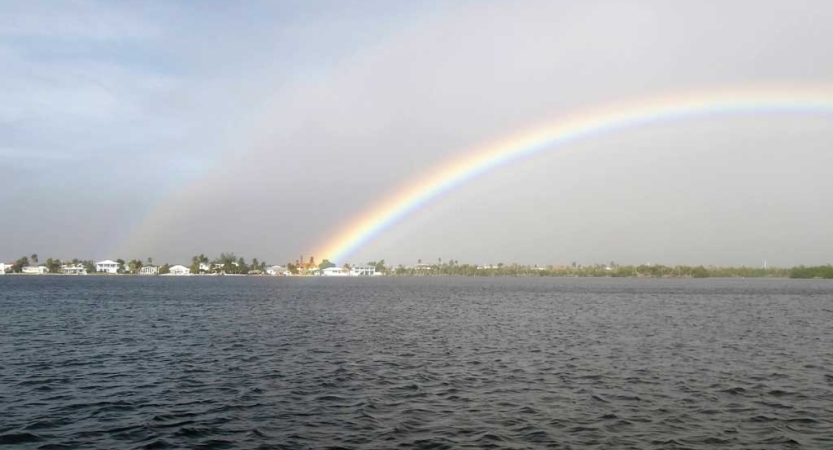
(427, 363)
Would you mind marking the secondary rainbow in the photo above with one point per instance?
(607, 119)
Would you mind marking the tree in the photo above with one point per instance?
(53, 265)
(121, 266)
(134, 266)
(195, 264)
(227, 260)
(166, 268)
(700, 272)
(380, 266)
(34, 258)
(150, 261)
(18, 265)
(326, 264)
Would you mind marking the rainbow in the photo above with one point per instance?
(608, 119)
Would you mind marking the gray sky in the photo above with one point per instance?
(166, 129)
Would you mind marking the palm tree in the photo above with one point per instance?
(34, 258)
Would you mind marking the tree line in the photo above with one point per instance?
(229, 263)
(454, 268)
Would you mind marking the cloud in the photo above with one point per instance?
(308, 121)
(71, 20)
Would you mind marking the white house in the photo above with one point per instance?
(363, 271)
(335, 272)
(179, 270)
(4, 267)
(107, 266)
(73, 269)
(215, 267)
(35, 270)
(278, 271)
(149, 270)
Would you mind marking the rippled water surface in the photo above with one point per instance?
(128, 362)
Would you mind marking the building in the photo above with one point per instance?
(73, 269)
(279, 271)
(363, 271)
(307, 268)
(5, 267)
(107, 266)
(335, 272)
(149, 270)
(179, 270)
(35, 270)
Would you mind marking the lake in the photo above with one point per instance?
(432, 363)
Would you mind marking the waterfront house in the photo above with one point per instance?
(4, 267)
(149, 270)
(363, 271)
(107, 266)
(73, 269)
(335, 272)
(35, 270)
(179, 270)
(278, 271)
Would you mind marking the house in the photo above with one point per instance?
(73, 269)
(149, 270)
(215, 267)
(107, 266)
(278, 271)
(307, 268)
(363, 271)
(335, 272)
(35, 270)
(179, 270)
(4, 267)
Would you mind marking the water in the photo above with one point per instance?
(127, 362)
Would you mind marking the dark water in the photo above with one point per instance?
(415, 363)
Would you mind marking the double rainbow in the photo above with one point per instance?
(613, 118)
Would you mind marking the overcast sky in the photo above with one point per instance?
(167, 129)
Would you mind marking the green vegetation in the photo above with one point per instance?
(229, 263)
(812, 272)
(454, 268)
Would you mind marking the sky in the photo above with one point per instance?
(169, 129)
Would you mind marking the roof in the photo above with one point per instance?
(106, 261)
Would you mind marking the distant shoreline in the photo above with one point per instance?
(641, 277)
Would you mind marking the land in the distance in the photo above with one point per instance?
(230, 264)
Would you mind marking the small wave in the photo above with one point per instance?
(19, 438)
(734, 390)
